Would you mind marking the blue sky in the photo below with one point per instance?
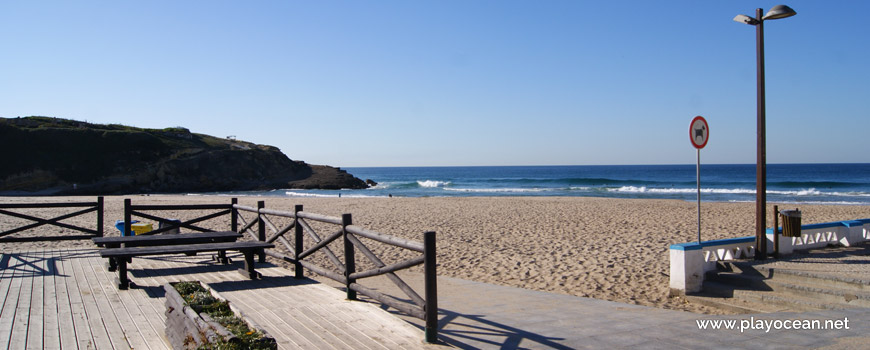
(417, 83)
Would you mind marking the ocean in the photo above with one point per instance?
(847, 184)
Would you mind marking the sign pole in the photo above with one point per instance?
(699, 134)
(698, 179)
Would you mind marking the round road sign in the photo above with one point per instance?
(699, 132)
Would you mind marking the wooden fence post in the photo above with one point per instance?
(776, 231)
(298, 231)
(430, 277)
(349, 263)
(128, 216)
(234, 215)
(261, 230)
(100, 212)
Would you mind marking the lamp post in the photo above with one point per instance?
(777, 12)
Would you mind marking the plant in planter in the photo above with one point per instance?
(198, 318)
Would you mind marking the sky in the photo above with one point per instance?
(452, 82)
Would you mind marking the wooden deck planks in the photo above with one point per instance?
(12, 286)
(91, 312)
(51, 326)
(327, 315)
(152, 308)
(261, 301)
(290, 323)
(309, 309)
(18, 339)
(255, 308)
(337, 315)
(290, 334)
(36, 322)
(84, 338)
(67, 331)
(264, 302)
(65, 299)
(135, 327)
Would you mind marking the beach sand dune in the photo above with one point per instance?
(611, 249)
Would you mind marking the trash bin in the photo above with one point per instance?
(119, 224)
(140, 228)
(136, 227)
(791, 223)
(173, 223)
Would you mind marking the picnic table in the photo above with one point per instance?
(121, 250)
(121, 255)
(168, 239)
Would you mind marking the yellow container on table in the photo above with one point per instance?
(140, 228)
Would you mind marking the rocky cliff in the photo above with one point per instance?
(42, 155)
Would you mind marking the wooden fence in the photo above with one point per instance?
(88, 208)
(423, 308)
(169, 224)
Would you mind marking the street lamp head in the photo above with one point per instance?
(779, 11)
(745, 19)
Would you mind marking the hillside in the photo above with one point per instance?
(42, 155)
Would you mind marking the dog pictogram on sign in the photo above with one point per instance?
(699, 132)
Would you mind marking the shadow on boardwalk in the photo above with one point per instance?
(477, 329)
(466, 331)
(34, 264)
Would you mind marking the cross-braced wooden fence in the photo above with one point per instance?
(345, 271)
(56, 221)
(170, 224)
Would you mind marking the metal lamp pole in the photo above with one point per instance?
(761, 152)
(777, 12)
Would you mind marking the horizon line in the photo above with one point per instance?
(564, 165)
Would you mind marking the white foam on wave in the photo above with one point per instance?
(314, 195)
(826, 203)
(381, 186)
(850, 194)
(432, 183)
(815, 192)
(800, 193)
(644, 189)
(497, 190)
(807, 192)
(319, 195)
(806, 202)
(209, 194)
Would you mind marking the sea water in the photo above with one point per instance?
(786, 183)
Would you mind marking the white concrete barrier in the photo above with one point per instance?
(690, 261)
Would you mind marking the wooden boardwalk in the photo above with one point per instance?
(65, 299)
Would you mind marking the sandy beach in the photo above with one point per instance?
(611, 249)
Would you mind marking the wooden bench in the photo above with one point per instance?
(120, 255)
(170, 239)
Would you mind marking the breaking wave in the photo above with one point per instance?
(432, 183)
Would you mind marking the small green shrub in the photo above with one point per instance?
(202, 301)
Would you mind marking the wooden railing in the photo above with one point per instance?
(88, 208)
(131, 210)
(345, 270)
